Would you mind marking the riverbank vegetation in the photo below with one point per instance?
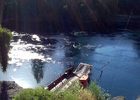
(5, 38)
(93, 92)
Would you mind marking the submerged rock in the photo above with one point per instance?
(49, 41)
(119, 98)
(8, 89)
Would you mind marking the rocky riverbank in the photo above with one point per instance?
(8, 89)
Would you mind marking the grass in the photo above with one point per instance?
(93, 92)
(86, 95)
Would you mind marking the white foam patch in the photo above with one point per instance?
(22, 52)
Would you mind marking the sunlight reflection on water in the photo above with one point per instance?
(19, 53)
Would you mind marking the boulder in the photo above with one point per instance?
(119, 98)
(8, 89)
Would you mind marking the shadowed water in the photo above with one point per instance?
(37, 60)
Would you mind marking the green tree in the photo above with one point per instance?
(5, 37)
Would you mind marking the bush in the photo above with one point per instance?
(95, 90)
(34, 94)
(74, 93)
(86, 95)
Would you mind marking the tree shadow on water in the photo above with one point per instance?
(37, 69)
(3, 57)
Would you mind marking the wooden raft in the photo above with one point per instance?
(65, 80)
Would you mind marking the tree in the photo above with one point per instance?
(1, 10)
(5, 37)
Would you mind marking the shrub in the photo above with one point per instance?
(74, 93)
(34, 94)
(95, 90)
(86, 95)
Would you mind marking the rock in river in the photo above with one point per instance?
(8, 89)
(119, 98)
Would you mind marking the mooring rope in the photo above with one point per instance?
(117, 43)
(108, 61)
(129, 18)
(116, 46)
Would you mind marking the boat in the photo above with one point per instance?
(81, 74)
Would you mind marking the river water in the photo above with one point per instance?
(36, 61)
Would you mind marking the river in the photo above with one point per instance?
(36, 61)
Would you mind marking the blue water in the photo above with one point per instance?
(34, 64)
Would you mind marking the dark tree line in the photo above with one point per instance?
(63, 15)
